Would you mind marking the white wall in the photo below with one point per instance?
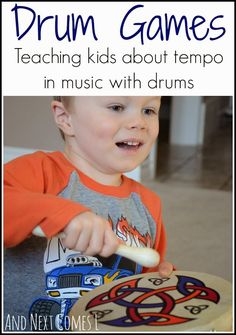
(187, 121)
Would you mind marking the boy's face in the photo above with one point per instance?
(114, 134)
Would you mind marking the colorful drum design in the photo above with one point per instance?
(185, 301)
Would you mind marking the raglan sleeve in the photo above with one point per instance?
(28, 202)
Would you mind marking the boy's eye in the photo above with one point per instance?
(116, 108)
(150, 111)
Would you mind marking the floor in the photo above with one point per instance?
(195, 187)
(208, 166)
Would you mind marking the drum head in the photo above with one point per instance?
(185, 301)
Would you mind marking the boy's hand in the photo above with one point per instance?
(165, 269)
(91, 234)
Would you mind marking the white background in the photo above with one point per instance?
(28, 79)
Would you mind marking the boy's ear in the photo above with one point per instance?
(62, 117)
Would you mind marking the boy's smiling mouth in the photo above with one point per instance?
(129, 144)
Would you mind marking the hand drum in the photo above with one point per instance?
(185, 301)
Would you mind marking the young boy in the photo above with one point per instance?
(84, 194)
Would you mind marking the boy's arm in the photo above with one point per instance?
(28, 203)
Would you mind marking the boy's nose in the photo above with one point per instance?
(137, 122)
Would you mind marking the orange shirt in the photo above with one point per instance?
(46, 189)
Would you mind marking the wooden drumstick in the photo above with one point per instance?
(144, 256)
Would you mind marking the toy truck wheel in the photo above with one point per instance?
(43, 314)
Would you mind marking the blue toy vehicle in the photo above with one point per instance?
(66, 284)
